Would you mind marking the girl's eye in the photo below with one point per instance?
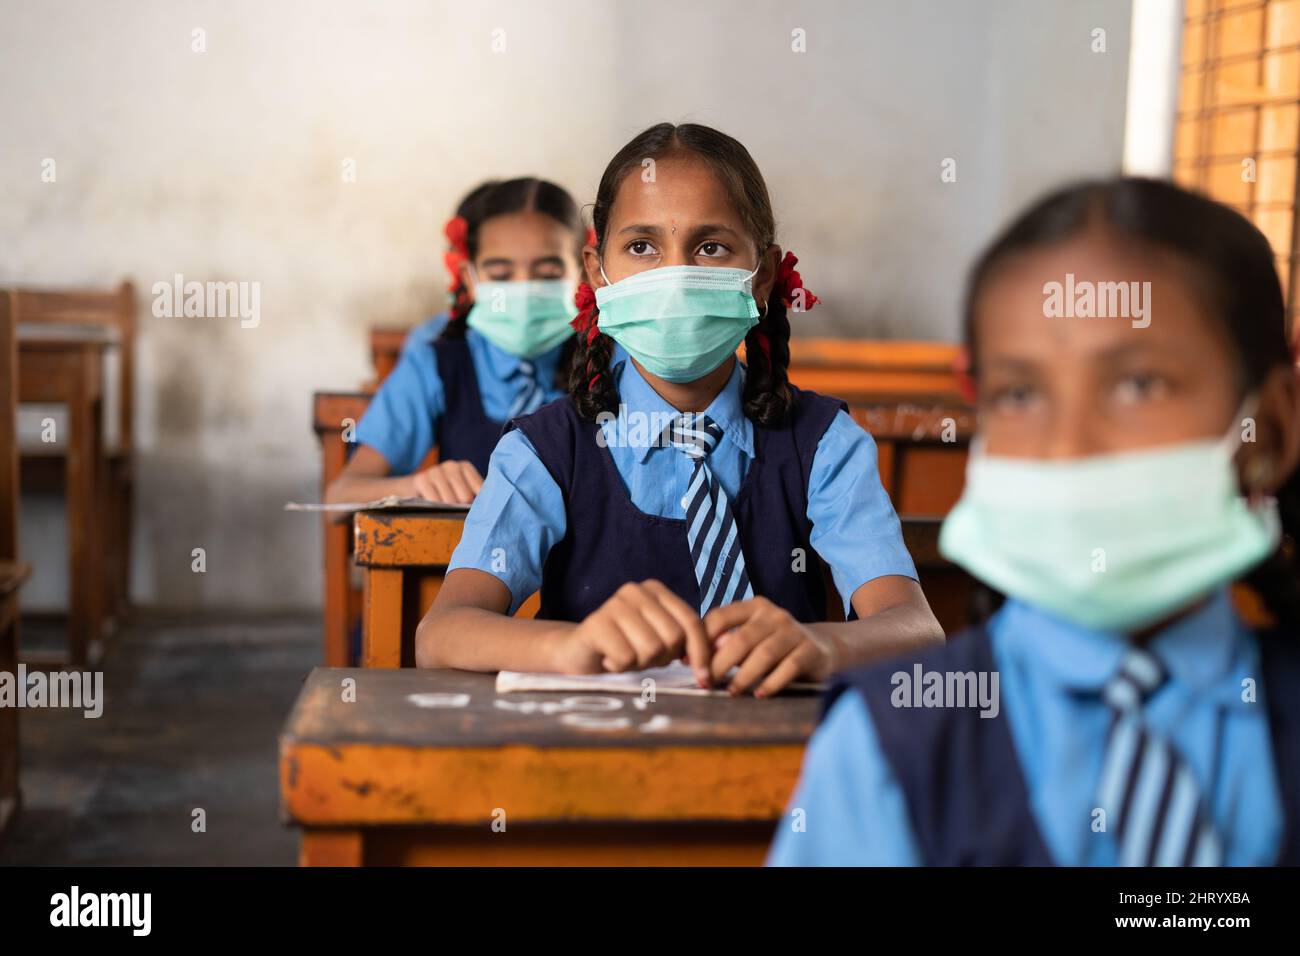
(640, 247)
(1013, 398)
(1140, 387)
(712, 250)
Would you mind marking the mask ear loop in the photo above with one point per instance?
(1255, 472)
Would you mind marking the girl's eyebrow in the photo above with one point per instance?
(641, 227)
(498, 261)
(701, 229)
(713, 227)
(548, 261)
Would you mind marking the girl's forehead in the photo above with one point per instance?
(523, 229)
(684, 188)
(1086, 296)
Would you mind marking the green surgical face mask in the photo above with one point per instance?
(525, 317)
(679, 322)
(1111, 542)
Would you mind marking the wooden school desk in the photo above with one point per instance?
(404, 555)
(12, 571)
(63, 364)
(112, 309)
(392, 775)
(332, 412)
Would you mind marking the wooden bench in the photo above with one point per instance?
(375, 773)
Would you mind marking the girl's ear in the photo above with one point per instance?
(765, 278)
(591, 265)
(1275, 455)
(469, 278)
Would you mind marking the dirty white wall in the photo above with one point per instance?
(227, 165)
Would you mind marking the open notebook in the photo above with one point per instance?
(676, 678)
(379, 504)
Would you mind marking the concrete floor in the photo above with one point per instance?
(192, 710)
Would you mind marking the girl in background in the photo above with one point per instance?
(1129, 467)
(501, 351)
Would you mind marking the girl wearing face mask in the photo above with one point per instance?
(501, 351)
(1130, 467)
(676, 505)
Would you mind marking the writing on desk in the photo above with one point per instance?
(586, 712)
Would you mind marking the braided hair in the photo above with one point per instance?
(1234, 261)
(499, 198)
(767, 394)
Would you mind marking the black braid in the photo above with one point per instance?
(767, 380)
(1277, 580)
(592, 362)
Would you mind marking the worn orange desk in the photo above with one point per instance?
(62, 364)
(403, 556)
(384, 778)
(333, 413)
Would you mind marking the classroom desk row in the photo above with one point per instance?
(403, 556)
(921, 442)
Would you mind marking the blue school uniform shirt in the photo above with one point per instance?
(402, 420)
(855, 811)
(520, 512)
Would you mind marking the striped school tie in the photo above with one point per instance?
(1151, 799)
(711, 528)
(530, 395)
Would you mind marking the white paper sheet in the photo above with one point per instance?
(381, 504)
(676, 678)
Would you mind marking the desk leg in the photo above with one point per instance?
(9, 796)
(337, 618)
(83, 583)
(381, 640)
(331, 848)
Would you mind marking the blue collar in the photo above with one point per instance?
(1203, 651)
(636, 395)
(503, 364)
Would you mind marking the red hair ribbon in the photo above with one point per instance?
(961, 367)
(591, 235)
(457, 233)
(587, 317)
(788, 281)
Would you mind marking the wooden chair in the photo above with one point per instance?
(385, 350)
(12, 571)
